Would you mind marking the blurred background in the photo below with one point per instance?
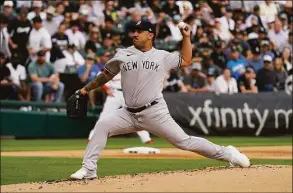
(240, 48)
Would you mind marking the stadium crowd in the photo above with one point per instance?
(238, 46)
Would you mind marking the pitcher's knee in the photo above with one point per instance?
(102, 127)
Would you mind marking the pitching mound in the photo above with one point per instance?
(254, 179)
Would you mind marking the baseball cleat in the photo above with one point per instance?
(238, 158)
(83, 174)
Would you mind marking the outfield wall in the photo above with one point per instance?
(197, 113)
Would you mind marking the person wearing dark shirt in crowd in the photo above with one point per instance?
(195, 82)
(266, 79)
(173, 83)
(265, 49)
(155, 6)
(218, 55)
(256, 61)
(208, 64)
(20, 30)
(60, 42)
(246, 82)
(108, 45)
(171, 8)
(93, 43)
(162, 29)
(280, 72)
(109, 27)
(5, 80)
(8, 11)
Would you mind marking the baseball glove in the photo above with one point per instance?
(77, 106)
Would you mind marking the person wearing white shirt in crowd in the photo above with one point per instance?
(224, 34)
(50, 24)
(175, 31)
(18, 77)
(227, 23)
(4, 36)
(225, 83)
(39, 39)
(37, 11)
(277, 35)
(75, 36)
(185, 8)
(268, 11)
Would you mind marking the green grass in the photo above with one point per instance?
(33, 169)
(118, 143)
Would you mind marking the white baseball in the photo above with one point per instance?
(182, 25)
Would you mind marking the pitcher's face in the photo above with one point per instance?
(140, 38)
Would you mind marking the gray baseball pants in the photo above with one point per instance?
(156, 120)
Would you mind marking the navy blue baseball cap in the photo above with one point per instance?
(145, 25)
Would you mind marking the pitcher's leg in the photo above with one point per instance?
(144, 136)
(117, 123)
(173, 133)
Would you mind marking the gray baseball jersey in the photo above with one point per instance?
(142, 73)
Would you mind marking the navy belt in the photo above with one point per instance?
(119, 89)
(139, 109)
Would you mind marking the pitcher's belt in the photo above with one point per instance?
(139, 109)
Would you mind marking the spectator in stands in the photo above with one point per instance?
(60, 39)
(37, 11)
(195, 82)
(227, 23)
(4, 36)
(171, 8)
(50, 24)
(155, 6)
(211, 80)
(5, 80)
(108, 45)
(288, 43)
(8, 11)
(18, 77)
(236, 64)
(266, 79)
(185, 8)
(265, 49)
(208, 65)
(59, 15)
(218, 55)
(268, 10)
(44, 80)
(75, 36)
(280, 72)
(221, 31)
(246, 82)
(162, 30)
(87, 73)
(94, 41)
(284, 22)
(20, 30)
(256, 62)
(73, 59)
(225, 83)
(39, 39)
(109, 27)
(287, 59)
(254, 18)
(173, 83)
(173, 26)
(277, 35)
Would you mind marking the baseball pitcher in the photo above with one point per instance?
(115, 101)
(143, 68)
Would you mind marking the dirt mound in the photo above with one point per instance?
(258, 178)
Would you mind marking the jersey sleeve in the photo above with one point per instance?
(113, 65)
(172, 61)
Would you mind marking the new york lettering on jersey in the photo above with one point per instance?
(148, 65)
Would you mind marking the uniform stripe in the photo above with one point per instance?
(109, 71)
(179, 62)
